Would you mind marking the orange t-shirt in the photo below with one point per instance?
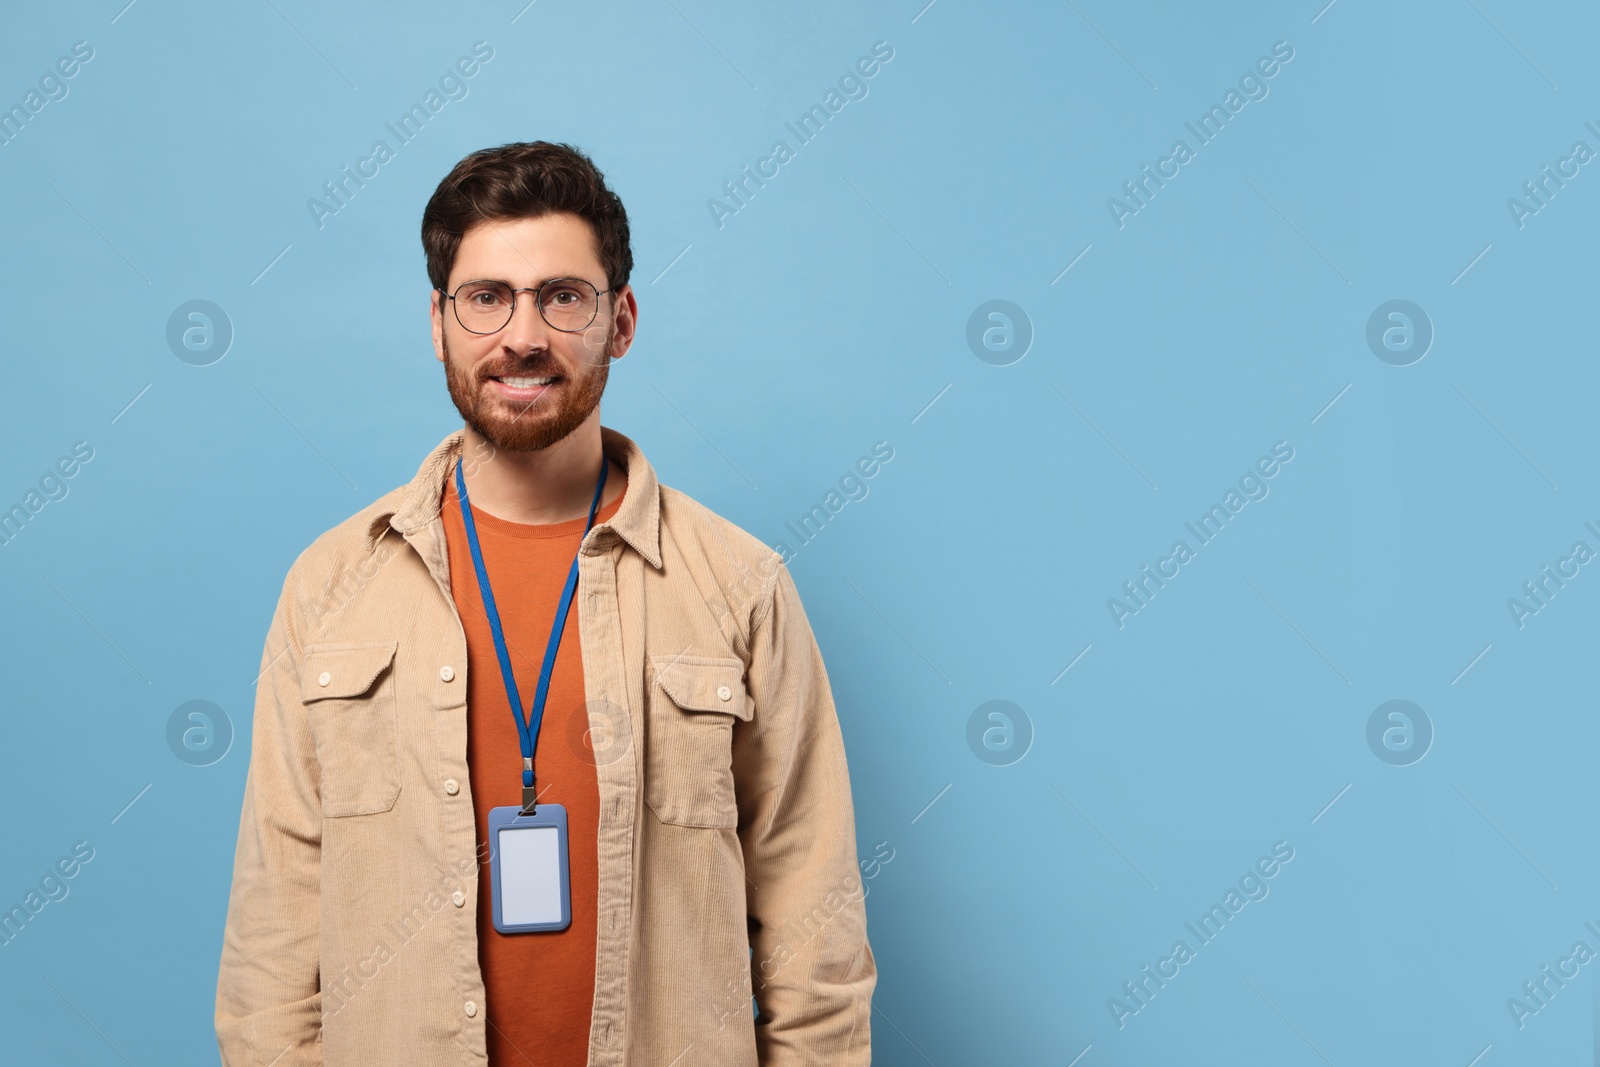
(539, 986)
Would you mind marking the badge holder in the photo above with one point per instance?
(528, 869)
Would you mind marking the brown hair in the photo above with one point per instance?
(524, 179)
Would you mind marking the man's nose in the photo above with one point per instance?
(527, 329)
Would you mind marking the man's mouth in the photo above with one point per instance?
(524, 387)
(524, 383)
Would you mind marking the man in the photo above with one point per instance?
(424, 706)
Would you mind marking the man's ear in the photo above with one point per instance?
(436, 318)
(627, 322)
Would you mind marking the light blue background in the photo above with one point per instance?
(825, 316)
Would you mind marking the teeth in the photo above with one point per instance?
(526, 383)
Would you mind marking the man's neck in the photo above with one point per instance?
(554, 484)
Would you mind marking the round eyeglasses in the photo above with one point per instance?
(567, 304)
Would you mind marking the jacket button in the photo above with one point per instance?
(458, 898)
(471, 1008)
(451, 786)
(724, 693)
(447, 673)
(324, 678)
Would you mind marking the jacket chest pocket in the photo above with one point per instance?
(691, 706)
(349, 695)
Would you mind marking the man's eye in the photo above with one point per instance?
(485, 297)
(564, 297)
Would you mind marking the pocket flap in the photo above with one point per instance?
(343, 670)
(702, 683)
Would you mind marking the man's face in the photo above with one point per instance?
(529, 385)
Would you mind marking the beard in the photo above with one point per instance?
(518, 427)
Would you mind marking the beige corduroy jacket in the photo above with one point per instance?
(727, 855)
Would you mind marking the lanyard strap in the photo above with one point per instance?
(527, 733)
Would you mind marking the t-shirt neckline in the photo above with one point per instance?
(542, 530)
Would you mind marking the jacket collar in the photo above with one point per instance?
(637, 521)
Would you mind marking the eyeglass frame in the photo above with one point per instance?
(535, 290)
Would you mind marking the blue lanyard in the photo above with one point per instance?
(527, 733)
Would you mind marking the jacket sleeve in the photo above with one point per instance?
(812, 971)
(268, 1008)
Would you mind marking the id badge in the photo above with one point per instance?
(528, 879)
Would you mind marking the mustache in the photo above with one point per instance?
(542, 368)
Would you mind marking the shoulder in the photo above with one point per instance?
(719, 554)
(687, 518)
(349, 540)
(320, 579)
